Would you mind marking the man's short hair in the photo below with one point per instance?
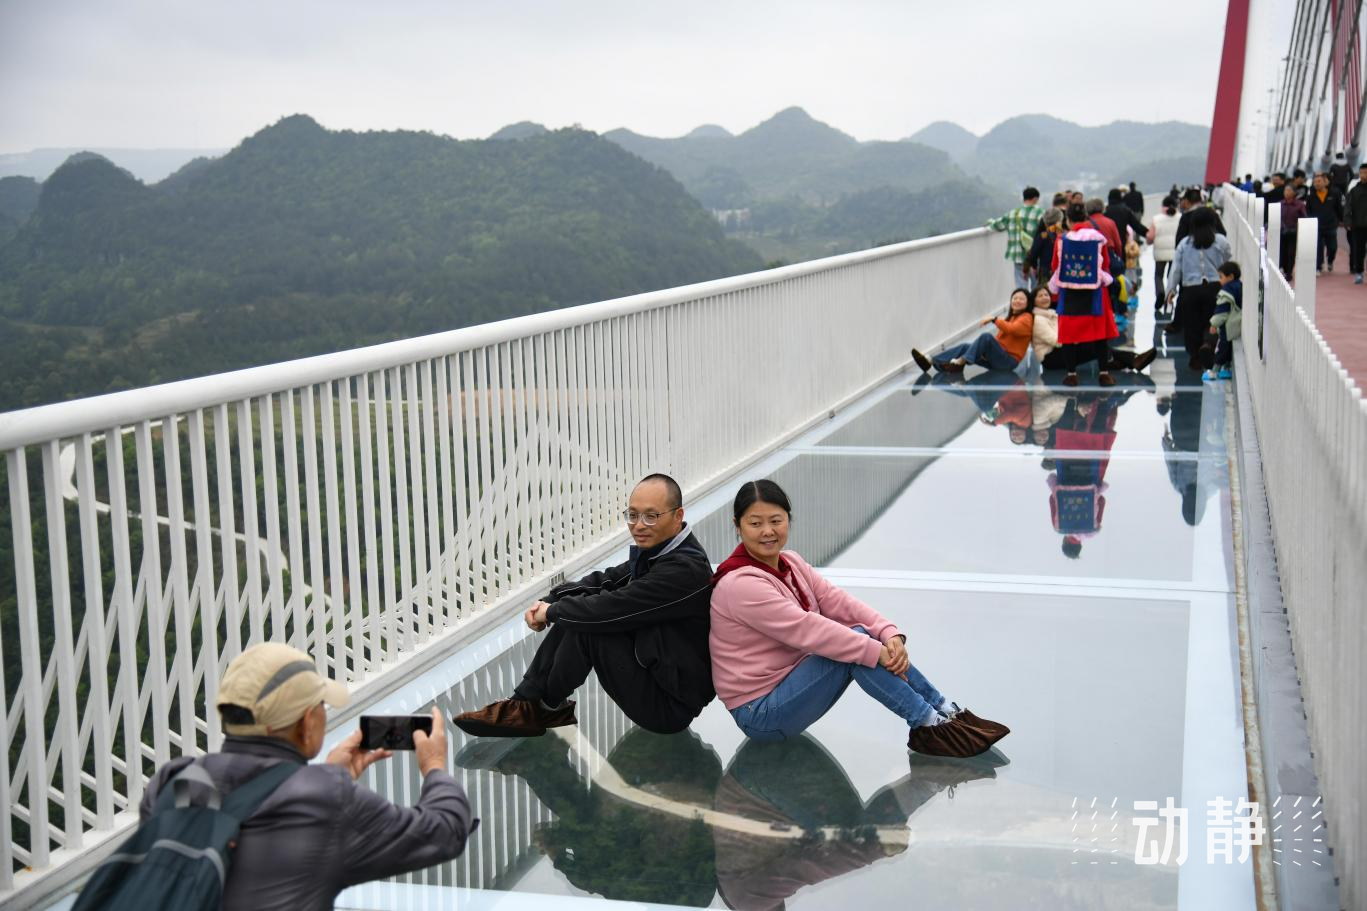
(671, 488)
(1192, 195)
(1095, 206)
(1299, 172)
(1029, 193)
(1115, 195)
(1363, 166)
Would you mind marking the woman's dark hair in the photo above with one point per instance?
(1034, 293)
(761, 491)
(1231, 268)
(1077, 213)
(1170, 205)
(1029, 303)
(1203, 223)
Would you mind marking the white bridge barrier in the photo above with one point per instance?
(1312, 429)
(366, 505)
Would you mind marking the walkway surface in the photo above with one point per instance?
(1061, 561)
(1341, 315)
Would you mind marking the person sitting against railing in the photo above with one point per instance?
(786, 643)
(641, 626)
(1000, 352)
(319, 831)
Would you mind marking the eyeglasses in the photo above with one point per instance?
(645, 518)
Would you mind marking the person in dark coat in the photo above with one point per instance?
(1355, 217)
(1189, 203)
(1135, 200)
(1325, 205)
(642, 626)
(1120, 212)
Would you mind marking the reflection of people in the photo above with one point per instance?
(1011, 409)
(642, 626)
(786, 643)
(1077, 486)
(817, 826)
(643, 846)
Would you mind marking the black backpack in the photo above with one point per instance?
(179, 857)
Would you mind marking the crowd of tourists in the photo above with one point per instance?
(1077, 271)
(1335, 196)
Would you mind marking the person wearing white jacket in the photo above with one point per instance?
(1163, 236)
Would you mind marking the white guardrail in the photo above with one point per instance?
(1312, 430)
(363, 505)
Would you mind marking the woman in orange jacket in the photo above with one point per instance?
(1000, 352)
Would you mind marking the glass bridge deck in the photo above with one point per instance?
(1061, 561)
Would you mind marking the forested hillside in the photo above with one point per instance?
(795, 188)
(303, 240)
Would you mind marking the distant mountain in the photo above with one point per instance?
(523, 129)
(709, 131)
(794, 188)
(950, 138)
(1052, 153)
(302, 240)
(18, 199)
(148, 165)
(790, 154)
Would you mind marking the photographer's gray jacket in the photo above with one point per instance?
(321, 832)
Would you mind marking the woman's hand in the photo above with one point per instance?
(894, 657)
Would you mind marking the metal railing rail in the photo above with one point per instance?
(366, 505)
(1312, 427)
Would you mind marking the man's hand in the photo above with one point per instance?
(351, 757)
(1214, 331)
(535, 616)
(431, 751)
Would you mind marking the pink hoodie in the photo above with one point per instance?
(760, 630)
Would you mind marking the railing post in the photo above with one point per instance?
(1307, 236)
(1273, 242)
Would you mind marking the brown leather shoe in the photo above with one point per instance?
(1070, 379)
(1143, 360)
(513, 718)
(1105, 379)
(955, 738)
(951, 367)
(994, 729)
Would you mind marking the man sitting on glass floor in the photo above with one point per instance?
(642, 626)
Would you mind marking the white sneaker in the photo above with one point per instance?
(1357, 278)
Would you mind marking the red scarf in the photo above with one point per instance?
(740, 557)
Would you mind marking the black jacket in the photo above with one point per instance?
(1124, 217)
(1135, 200)
(1184, 226)
(663, 596)
(1355, 214)
(1329, 213)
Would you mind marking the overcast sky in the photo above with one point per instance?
(188, 74)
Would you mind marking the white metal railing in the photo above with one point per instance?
(364, 505)
(1312, 428)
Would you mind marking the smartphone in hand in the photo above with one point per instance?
(392, 732)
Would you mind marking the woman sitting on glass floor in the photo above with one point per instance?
(786, 643)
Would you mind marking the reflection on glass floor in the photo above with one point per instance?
(1075, 583)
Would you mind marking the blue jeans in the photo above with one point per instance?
(985, 351)
(1018, 273)
(811, 688)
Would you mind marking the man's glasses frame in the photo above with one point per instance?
(648, 519)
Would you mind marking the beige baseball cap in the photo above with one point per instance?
(277, 684)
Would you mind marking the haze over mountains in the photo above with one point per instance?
(1049, 152)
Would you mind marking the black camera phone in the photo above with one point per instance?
(392, 732)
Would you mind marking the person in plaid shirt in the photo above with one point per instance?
(1021, 225)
